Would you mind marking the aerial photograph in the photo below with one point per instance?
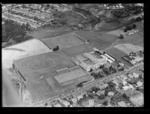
(73, 55)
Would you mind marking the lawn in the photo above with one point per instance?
(48, 32)
(97, 39)
(63, 41)
(77, 50)
(116, 53)
(36, 66)
(127, 48)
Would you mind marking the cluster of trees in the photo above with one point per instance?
(81, 84)
(130, 27)
(98, 75)
(120, 13)
(15, 31)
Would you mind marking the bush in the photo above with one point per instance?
(121, 36)
(134, 26)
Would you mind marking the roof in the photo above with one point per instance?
(137, 100)
(122, 104)
(22, 50)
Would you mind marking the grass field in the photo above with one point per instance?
(76, 73)
(36, 66)
(137, 38)
(48, 32)
(77, 50)
(97, 39)
(110, 26)
(116, 53)
(42, 79)
(63, 41)
(127, 48)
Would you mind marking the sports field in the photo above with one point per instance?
(61, 78)
(42, 33)
(116, 53)
(97, 39)
(127, 48)
(63, 41)
(77, 50)
(36, 66)
(42, 77)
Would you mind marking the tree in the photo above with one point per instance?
(134, 26)
(125, 30)
(125, 96)
(105, 103)
(121, 36)
(102, 96)
(56, 48)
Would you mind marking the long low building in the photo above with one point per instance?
(90, 60)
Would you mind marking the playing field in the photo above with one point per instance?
(97, 39)
(116, 53)
(128, 48)
(77, 50)
(61, 78)
(42, 33)
(36, 66)
(49, 74)
(63, 41)
(137, 39)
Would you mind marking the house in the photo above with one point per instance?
(126, 88)
(79, 97)
(135, 75)
(130, 76)
(122, 104)
(100, 92)
(137, 100)
(111, 93)
(88, 103)
(91, 103)
(139, 83)
(65, 103)
(74, 100)
(57, 105)
(103, 86)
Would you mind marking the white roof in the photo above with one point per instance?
(22, 50)
(122, 104)
(66, 103)
(135, 75)
(57, 105)
(74, 100)
(137, 100)
(91, 102)
(139, 83)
